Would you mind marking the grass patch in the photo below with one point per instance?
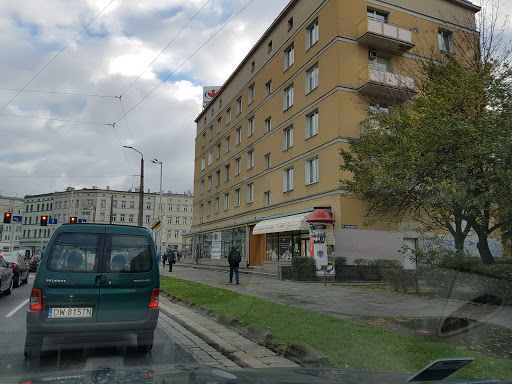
(347, 344)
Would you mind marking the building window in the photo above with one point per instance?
(238, 136)
(210, 133)
(250, 127)
(268, 88)
(169, 220)
(268, 125)
(250, 159)
(253, 65)
(218, 152)
(204, 139)
(228, 116)
(202, 187)
(203, 161)
(379, 62)
(311, 124)
(177, 221)
(269, 46)
(176, 234)
(114, 203)
(377, 15)
(312, 79)
(445, 40)
(220, 103)
(201, 211)
(148, 205)
(238, 163)
(148, 218)
(226, 201)
(226, 173)
(209, 182)
(237, 197)
(250, 193)
(208, 208)
(210, 157)
(123, 204)
(288, 57)
(185, 208)
(178, 207)
(288, 97)
(290, 23)
(114, 217)
(217, 178)
(312, 34)
(132, 204)
(312, 171)
(217, 204)
(267, 161)
(103, 203)
(170, 207)
(130, 218)
(252, 93)
(288, 138)
(288, 179)
(102, 217)
(227, 144)
(239, 106)
(266, 198)
(219, 124)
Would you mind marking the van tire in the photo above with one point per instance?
(145, 342)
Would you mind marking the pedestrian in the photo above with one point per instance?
(234, 259)
(164, 258)
(171, 259)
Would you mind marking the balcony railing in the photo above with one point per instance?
(385, 84)
(384, 36)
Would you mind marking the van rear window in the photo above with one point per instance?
(129, 254)
(75, 252)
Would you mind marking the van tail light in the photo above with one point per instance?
(155, 294)
(35, 300)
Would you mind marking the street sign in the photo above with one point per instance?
(52, 221)
(82, 221)
(156, 225)
(16, 219)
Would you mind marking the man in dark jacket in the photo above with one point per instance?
(171, 259)
(234, 259)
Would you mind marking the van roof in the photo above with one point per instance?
(101, 228)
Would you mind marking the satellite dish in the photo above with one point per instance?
(417, 27)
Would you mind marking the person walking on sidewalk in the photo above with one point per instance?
(171, 259)
(164, 258)
(234, 259)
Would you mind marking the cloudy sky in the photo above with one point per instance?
(73, 98)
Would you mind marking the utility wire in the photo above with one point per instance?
(124, 152)
(54, 57)
(125, 119)
(182, 64)
(167, 46)
(53, 119)
(55, 92)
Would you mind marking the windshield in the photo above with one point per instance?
(256, 187)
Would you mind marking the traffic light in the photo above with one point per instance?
(44, 221)
(72, 220)
(7, 217)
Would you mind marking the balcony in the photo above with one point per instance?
(385, 84)
(384, 36)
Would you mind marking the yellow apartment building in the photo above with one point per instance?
(267, 146)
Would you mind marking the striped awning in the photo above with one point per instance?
(283, 224)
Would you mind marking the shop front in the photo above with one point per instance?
(213, 247)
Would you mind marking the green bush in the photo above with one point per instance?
(303, 268)
(403, 280)
(438, 281)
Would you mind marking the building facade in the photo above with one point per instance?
(104, 206)
(10, 233)
(267, 146)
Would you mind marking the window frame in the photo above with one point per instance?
(250, 193)
(312, 33)
(312, 78)
(250, 126)
(250, 159)
(288, 138)
(251, 93)
(288, 97)
(288, 179)
(239, 106)
(309, 117)
(308, 173)
(289, 56)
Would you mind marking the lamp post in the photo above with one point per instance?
(155, 161)
(141, 187)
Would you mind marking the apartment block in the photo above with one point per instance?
(267, 146)
(10, 234)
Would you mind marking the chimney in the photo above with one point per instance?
(149, 190)
(108, 188)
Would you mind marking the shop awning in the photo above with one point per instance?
(283, 224)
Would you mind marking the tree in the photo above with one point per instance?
(445, 157)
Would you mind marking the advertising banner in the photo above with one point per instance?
(208, 94)
(216, 245)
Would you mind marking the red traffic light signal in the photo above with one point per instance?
(7, 217)
(44, 221)
(72, 220)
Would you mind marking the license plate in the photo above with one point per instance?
(69, 313)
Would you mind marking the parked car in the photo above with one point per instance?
(34, 262)
(19, 266)
(6, 277)
(95, 282)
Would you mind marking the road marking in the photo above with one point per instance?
(16, 309)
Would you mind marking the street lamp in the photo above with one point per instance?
(155, 161)
(141, 187)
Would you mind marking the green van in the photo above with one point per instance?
(94, 281)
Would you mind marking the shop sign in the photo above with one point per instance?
(216, 245)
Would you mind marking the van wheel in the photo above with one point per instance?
(145, 342)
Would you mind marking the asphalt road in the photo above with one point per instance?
(167, 350)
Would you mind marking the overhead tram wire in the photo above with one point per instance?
(125, 120)
(188, 58)
(54, 57)
(53, 119)
(56, 92)
(162, 51)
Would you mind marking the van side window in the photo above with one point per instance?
(75, 252)
(129, 254)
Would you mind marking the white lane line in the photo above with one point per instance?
(17, 309)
